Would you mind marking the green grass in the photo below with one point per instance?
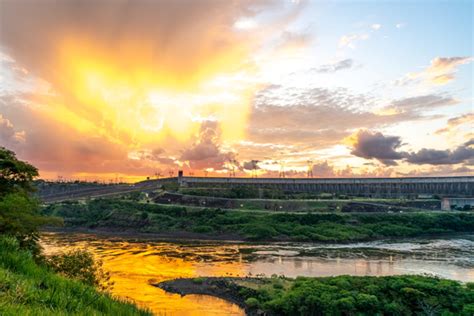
(27, 288)
(257, 225)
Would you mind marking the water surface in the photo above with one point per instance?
(134, 264)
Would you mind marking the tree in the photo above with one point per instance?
(15, 175)
(19, 210)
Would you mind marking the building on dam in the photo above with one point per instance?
(366, 187)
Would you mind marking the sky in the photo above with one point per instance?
(124, 90)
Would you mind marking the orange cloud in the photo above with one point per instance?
(441, 71)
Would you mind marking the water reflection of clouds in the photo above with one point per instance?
(133, 265)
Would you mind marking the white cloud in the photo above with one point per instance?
(376, 26)
(351, 39)
(245, 24)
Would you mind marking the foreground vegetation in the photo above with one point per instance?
(341, 295)
(30, 283)
(27, 288)
(116, 214)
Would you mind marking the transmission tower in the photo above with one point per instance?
(254, 168)
(282, 170)
(232, 164)
(310, 168)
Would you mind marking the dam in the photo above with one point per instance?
(366, 187)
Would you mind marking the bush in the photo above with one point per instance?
(80, 265)
(251, 302)
(199, 280)
(203, 229)
(349, 295)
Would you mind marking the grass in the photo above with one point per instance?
(27, 288)
(256, 225)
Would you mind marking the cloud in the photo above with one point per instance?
(351, 40)
(316, 117)
(330, 68)
(422, 103)
(130, 77)
(8, 135)
(400, 25)
(441, 71)
(455, 122)
(376, 26)
(251, 165)
(206, 151)
(461, 154)
(374, 145)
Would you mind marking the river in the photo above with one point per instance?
(134, 264)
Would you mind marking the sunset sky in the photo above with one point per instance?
(129, 89)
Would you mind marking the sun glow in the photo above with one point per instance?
(144, 102)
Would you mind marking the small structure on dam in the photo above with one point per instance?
(449, 203)
(366, 187)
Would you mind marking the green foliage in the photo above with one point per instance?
(199, 280)
(80, 265)
(349, 295)
(27, 288)
(19, 212)
(15, 175)
(120, 214)
(251, 302)
(171, 186)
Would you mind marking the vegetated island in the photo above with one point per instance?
(121, 216)
(340, 295)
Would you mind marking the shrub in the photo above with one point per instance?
(199, 280)
(80, 265)
(251, 302)
(203, 229)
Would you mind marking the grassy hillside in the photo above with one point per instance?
(152, 218)
(29, 289)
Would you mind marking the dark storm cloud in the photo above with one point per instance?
(461, 154)
(372, 145)
(375, 145)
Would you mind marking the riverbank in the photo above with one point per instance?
(400, 295)
(178, 222)
(28, 288)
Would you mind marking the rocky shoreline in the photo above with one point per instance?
(221, 287)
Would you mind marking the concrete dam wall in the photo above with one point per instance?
(367, 187)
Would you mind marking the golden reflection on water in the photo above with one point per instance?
(133, 267)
